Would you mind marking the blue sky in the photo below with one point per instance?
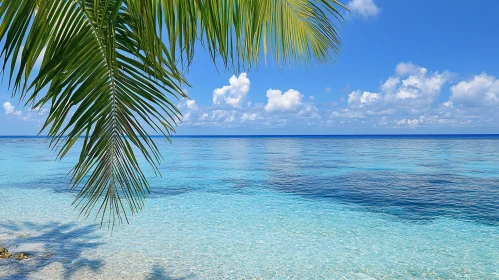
(405, 67)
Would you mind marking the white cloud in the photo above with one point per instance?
(411, 92)
(309, 111)
(223, 115)
(348, 114)
(402, 122)
(186, 116)
(358, 100)
(407, 122)
(291, 100)
(413, 86)
(413, 123)
(33, 115)
(189, 109)
(39, 111)
(191, 104)
(233, 94)
(383, 121)
(365, 8)
(405, 100)
(482, 90)
(10, 109)
(249, 116)
(407, 68)
(390, 86)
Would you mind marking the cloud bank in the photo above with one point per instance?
(412, 98)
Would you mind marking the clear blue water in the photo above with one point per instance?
(365, 207)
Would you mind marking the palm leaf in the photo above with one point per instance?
(112, 69)
(293, 31)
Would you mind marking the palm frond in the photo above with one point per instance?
(112, 70)
(95, 65)
(237, 31)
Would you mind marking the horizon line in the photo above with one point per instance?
(292, 135)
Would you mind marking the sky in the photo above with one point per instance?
(406, 67)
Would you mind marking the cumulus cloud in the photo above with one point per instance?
(405, 100)
(408, 122)
(276, 112)
(203, 117)
(407, 68)
(358, 100)
(482, 90)
(365, 8)
(223, 115)
(33, 115)
(411, 87)
(414, 86)
(412, 92)
(413, 123)
(402, 122)
(309, 110)
(189, 109)
(9, 109)
(190, 104)
(233, 94)
(390, 85)
(291, 100)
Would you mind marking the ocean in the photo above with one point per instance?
(267, 207)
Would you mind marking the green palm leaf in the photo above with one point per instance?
(112, 71)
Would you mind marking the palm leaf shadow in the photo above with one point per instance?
(64, 244)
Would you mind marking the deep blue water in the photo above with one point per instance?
(363, 206)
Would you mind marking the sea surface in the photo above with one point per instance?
(297, 207)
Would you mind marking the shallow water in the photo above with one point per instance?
(252, 207)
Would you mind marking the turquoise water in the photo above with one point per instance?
(281, 208)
